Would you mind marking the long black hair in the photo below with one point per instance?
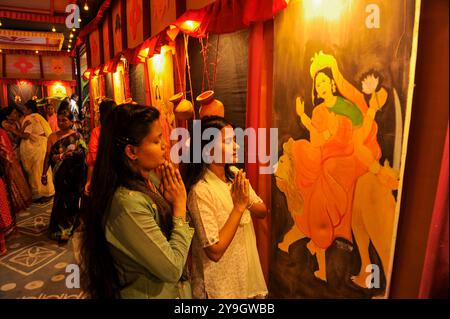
(193, 172)
(126, 124)
(32, 105)
(104, 108)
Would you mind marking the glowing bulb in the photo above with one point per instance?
(69, 46)
(70, 40)
(190, 25)
(73, 29)
(0, 23)
(68, 50)
(53, 29)
(79, 19)
(330, 10)
(71, 35)
(86, 8)
(1, 50)
(37, 51)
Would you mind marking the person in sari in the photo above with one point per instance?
(343, 146)
(66, 153)
(20, 191)
(34, 131)
(6, 218)
(10, 126)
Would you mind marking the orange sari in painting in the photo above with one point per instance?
(326, 172)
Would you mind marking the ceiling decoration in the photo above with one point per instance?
(31, 40)
(44, 24)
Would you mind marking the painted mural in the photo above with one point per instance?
(343, 77)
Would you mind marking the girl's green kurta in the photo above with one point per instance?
(149, 265)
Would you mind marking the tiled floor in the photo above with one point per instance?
(35, 266)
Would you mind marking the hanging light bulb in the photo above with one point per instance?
(79, 19)
(53, 29)
(70, 40)
(0, 23)
(37, 51)
(86, 8)
(71, 35)
(73, 29)
(69, 46)
(1, 50)
(68, 50)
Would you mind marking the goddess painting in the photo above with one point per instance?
(333, 182)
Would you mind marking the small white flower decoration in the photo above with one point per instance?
(369, 84)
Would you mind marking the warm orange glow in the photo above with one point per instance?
(190, 25)
(58, 89)
(86, 74)
(143, 53)
(23, 82)
(158, 63)
(330, 10)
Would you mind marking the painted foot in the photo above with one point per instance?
(320, 275)
(284, 246)
(360, 280)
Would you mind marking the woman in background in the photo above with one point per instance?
(221, 201)
(6, 217)
(20, 192)
(33, 134)
(52, 118)
(66, 153)
(105, 107)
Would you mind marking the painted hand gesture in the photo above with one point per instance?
(299, 106)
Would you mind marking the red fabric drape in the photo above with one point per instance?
(434, 282)
(259, 108)
(225, 16)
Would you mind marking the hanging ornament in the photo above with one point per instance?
(209, 105)
(182, 108)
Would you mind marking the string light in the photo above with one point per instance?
(53, 29)
(79, 19)
(86, 8)
(0, 23)
(1, 50)
(73, 29)
(37, 51)
(71, 35)
(69, 46)
(70, 40)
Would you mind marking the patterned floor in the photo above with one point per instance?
(36, 267)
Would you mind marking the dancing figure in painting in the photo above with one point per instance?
(342, 147)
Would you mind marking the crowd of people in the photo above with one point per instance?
(140, 216)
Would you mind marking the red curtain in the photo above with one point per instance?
(434, 282)
(225, 16)
(259, 109)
